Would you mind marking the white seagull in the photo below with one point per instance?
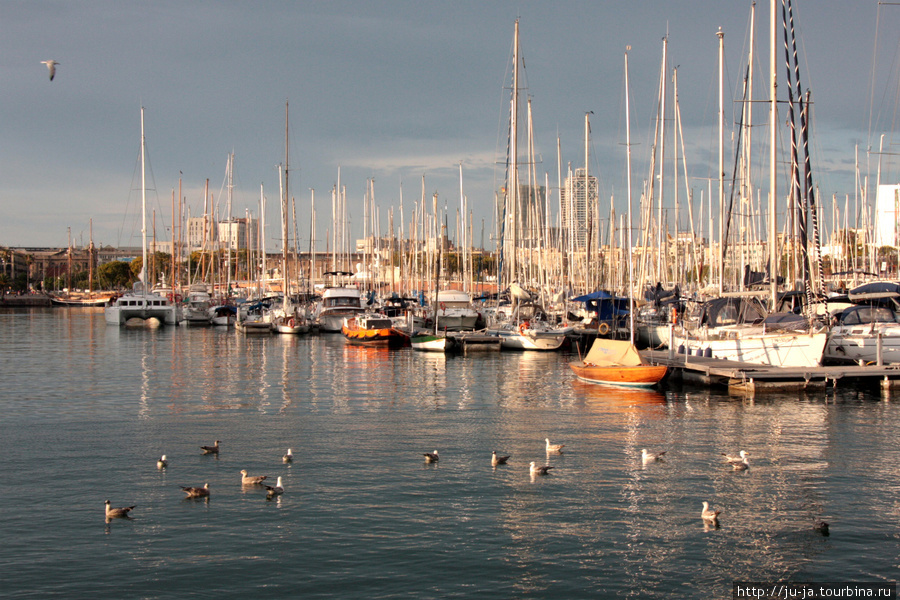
(431, 457)
(554, 447)
(288, 457)
(162, 463)
(536, 470)
(275, 490)
(708, 514)
(735, 459)
(651, 456)
(51, 66)
(252, 479)
(742, 465)
(117, 513)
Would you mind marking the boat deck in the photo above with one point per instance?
(745, 377)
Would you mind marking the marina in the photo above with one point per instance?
(359, 401)
(361, 513)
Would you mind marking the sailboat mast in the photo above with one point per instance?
(721, 36)
(773, 153)
(628, 185)
(143, 212)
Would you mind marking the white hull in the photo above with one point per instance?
(860, 344)
(141, 307)
(332, 322)
(515, 340)
(781, 349)
(431, 343)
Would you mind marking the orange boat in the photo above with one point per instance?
(614, 362)
(373, 330)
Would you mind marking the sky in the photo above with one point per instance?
(392, 91)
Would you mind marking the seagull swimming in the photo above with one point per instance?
(162, 463)
(117, 513)
(554, 447)
(275, 490)
(498, 460)
(741, 465)
(651, 456)
(252, 479)
(197, 492)
(288, 457)
(536, 470)
(431, 457)
(211, 449)
(821, 527)
(708, 514)
(735, 459)
(51, 66)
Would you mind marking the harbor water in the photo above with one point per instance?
(86, 409)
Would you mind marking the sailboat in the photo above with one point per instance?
(286, 319)
(434, 341)
(774, 340)
(140, 307)
(617, 362)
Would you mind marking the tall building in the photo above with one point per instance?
(238, 234)
(578, 198)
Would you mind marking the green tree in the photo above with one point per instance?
(115, 275)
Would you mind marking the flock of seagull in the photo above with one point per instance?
(738, 463)
(710, 516)
(272, 491)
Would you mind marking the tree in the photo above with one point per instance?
(115, 274)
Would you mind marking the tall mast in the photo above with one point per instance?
(143, 213)
(628, 185)
(773, 148)
(721, 36)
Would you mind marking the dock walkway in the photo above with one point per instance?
(745, 377)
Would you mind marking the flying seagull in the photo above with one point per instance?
(252, 479)
(498, 460)
(51, 66)
(431, 457)
(117, 513)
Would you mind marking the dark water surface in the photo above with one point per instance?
(86, 409)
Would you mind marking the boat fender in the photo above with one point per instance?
(443, 307)
(674, 315)
(603, 329)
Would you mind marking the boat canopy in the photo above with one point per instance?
(875, 291)
(720, 312)
(606, 352)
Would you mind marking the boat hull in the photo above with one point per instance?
(772, 349)
(639, 376)
(432, 343)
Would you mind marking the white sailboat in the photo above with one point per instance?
(140, 307)
(765, 341)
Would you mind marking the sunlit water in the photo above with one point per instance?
(86, 409)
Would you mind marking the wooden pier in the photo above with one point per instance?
(746, 377)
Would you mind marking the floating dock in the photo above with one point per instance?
(747, 377)
(474, 341)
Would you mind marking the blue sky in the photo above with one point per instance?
(390, 90)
